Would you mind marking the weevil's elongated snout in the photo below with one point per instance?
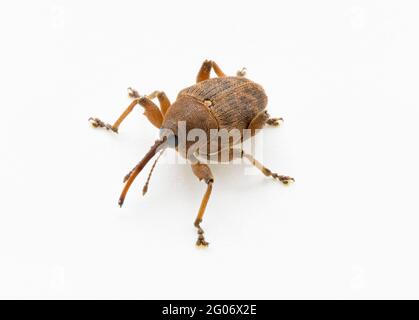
(158, 145)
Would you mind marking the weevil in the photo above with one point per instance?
(220, 103)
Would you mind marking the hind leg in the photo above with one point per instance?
(266, 171)
(235, 153)
(258, 122)
(262, 118)
(276, 122)
(223, 156)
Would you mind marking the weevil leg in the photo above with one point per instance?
(276, 122)
(242, 72)
(266, 171)
(223, 156)
(151, 111)
(235, 153)
(202, 172)
(262, 118)
(258, 122)
(205, 71)
(160, 95)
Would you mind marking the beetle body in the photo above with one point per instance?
(234, 101)
(222, 103)
(218, 103)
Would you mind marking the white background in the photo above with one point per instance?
(343, 74)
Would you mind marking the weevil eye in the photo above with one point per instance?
(172, 141)
(171, 138)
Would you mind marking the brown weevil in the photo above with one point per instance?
(223, 103)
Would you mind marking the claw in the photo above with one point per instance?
(242, 72)
(94, 122)
(97, 123)
(274, 121)
(201, 243)
(133, 93)
(201, 239)
(284, 179)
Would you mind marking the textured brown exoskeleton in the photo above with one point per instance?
(218, 103)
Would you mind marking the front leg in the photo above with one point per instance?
(160, 95)
(202, 172)
(151, 111)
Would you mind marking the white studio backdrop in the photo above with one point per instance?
(343, 75)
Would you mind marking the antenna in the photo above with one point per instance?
(145, 188)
